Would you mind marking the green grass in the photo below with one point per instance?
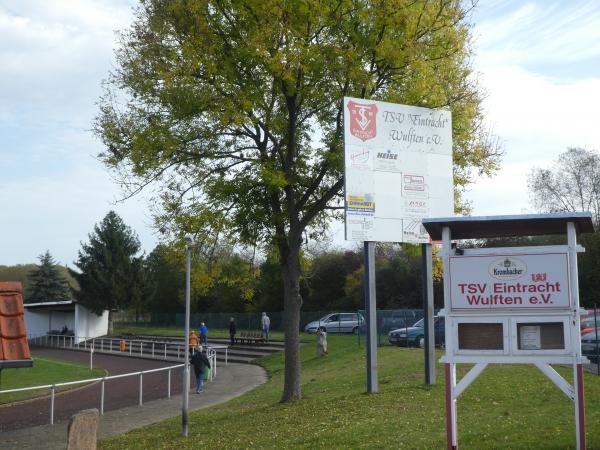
(44, 371)
(507, 407)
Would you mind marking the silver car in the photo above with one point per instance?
(337, 323)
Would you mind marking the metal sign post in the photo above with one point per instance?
(371, 309)
(429, 331)
(186, 364)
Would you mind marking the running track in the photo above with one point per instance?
(117, 393)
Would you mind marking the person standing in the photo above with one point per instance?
(321, 341)
(203, 333)
(193, 343)
(232, 330)
(266, 323)
(200, 363)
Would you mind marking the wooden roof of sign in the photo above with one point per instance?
(479, 227)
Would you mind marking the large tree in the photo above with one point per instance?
(46, 284)
(233, 110)
(109, 272)
(571, 184)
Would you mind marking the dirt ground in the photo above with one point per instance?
(117, 394)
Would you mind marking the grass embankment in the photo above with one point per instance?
(44, 371)
(507, 407)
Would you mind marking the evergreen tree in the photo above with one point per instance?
(166, 273)
(109, 271)
(46, 284)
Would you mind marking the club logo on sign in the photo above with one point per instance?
(363, 120)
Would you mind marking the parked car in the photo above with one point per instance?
(343, 322)
(589, 342)
(399, 318)
(588, 323)
(415, 336)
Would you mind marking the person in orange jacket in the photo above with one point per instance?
(193, 340)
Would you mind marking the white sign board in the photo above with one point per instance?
(398, 170)
(509, 281)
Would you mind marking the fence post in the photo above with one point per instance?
(110, 345)
(153, 349)
(102, 397)
(141, 348)
(169, 383)
(177, 351)
(165, 350)
(141, 384)
(130, 347)
(52, 405)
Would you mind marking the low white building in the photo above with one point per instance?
(48, 317)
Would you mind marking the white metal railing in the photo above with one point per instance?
(133, 347)
(211, 355)
(102, 380)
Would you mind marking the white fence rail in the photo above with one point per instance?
(132, 347)
(102, 380)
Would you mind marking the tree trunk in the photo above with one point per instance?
(290, 269)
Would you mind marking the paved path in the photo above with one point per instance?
(232, 380)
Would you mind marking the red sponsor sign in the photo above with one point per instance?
(363, 120)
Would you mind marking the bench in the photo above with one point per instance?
(250, 337)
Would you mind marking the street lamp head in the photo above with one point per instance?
(189, 239)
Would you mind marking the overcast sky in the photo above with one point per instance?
(538, 62)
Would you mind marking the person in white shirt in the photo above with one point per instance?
(266, 323)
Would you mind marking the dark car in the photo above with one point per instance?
(398, 319)
(415, 336)
(589, 343)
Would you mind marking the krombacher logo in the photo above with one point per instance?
(507, 268)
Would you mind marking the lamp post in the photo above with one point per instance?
(189, 242)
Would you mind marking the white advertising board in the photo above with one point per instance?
(398, 170)
(510, 281)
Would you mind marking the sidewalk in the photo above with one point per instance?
(232, 380)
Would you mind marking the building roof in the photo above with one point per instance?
(478, 227)
(32, 305)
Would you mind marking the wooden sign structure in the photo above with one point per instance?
(397, 170)
(511, 305)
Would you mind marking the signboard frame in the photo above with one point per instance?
(568, 315)
(398, 170)
(520, 254)
(390, 185)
